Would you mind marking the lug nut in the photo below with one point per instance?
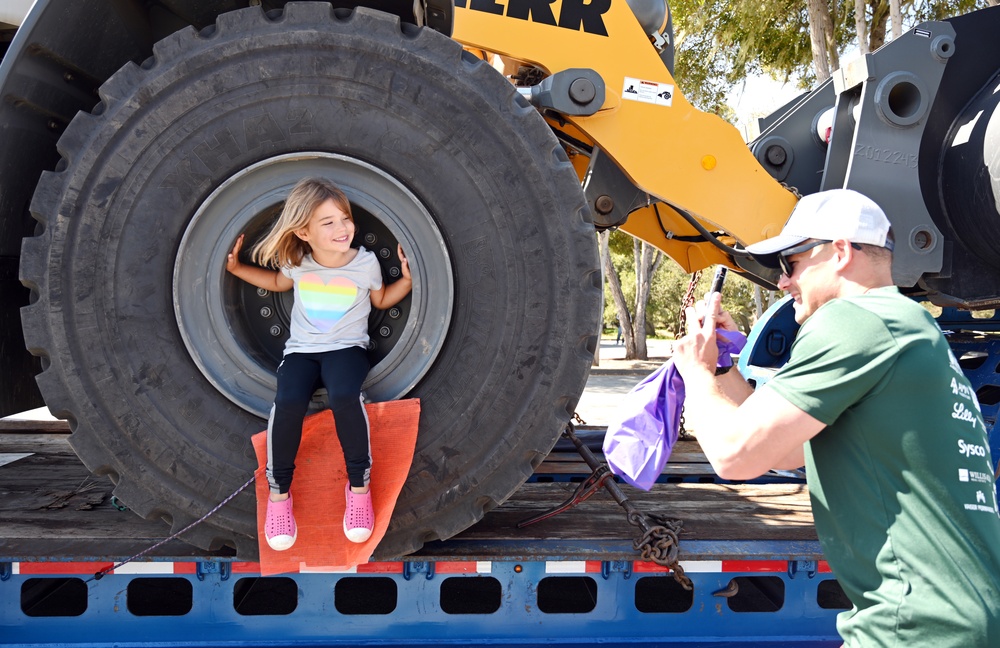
(384, 331)
(394, 313)
(275, 330)
(393, 272)
(370, 238)
(385, 253)
(262, 292)
(265, 311)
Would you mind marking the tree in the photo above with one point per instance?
(721, 42)
(667, 287)
(645, 261)
(822, 39)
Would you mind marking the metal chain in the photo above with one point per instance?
(661, 545)
(687, 302)
(682, 432)
(681, 329)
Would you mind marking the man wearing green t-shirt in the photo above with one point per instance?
(874, 404)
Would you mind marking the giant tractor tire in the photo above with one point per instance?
(164, 364)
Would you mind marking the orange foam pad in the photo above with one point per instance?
(318, 488)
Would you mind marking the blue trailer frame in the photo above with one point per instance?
(219, 603)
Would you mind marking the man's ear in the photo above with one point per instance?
(844, 251)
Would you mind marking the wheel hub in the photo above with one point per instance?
(236, 332)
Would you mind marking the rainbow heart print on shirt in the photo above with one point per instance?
(325, 302)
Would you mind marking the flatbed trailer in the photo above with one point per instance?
(749, 549)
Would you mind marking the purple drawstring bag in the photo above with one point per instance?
(645, 427)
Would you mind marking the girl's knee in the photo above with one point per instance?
(285, 405)
(344, 399)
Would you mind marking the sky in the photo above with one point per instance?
(758, 97)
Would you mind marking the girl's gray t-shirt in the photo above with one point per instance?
(331, 305)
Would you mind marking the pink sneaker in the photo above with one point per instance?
(359, 518)
(279, 526)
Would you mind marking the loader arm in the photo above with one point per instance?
(691, 160)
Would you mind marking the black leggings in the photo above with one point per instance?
(299, 375)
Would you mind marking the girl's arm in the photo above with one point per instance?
(265, 278)
(388, 296)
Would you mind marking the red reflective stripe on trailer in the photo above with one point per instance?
(824, 567)
(755, 565)
(245, 567)
(63, 568)
(462, 567)
(380, 568)
(647, 567)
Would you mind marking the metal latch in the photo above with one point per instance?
(223, 569)
(411, 568)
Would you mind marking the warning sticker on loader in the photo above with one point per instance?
(661, 94)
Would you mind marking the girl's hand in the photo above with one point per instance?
(233, 260)
(403, 263)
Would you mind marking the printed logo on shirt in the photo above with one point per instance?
(966, 475)
(981, 504)
(962, 413)
(962, 388)
(971, 449)
(325, 302)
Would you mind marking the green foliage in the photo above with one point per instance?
(669, 286)
(721, 42)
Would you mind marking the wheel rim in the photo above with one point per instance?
(235, 333)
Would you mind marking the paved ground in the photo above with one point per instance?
(608, 382)
(614, 377)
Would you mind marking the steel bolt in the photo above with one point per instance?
(582, 91)
(385, 253)
(393, 272)
(262, 292)
(370, 238)
(275, 330)
(394, 312)
(604, 204)
(384, 331)
(776, 155)
(265, 311)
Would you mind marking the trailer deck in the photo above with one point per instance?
(52, 508)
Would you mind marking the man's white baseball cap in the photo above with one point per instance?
(834, 215)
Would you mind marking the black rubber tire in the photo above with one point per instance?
(409, 101)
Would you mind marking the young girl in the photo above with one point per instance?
(335, 287)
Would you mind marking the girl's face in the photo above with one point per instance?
(329, 230)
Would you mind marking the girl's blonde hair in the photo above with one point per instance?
(281, 247)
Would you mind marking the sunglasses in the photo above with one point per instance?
(786, 265)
